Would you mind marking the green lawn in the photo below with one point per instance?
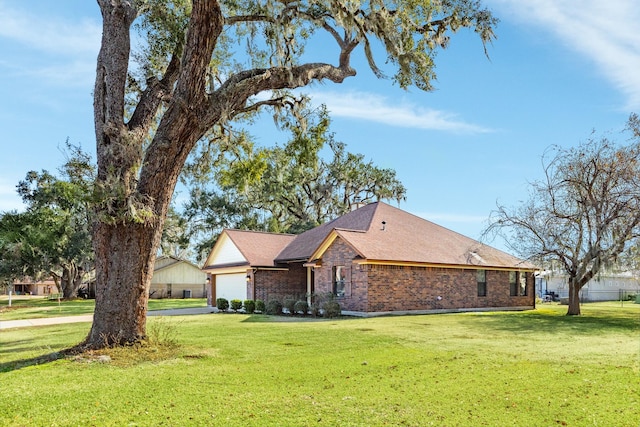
(536, 368)
(37, 307)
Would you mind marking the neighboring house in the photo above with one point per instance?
(28, 286)
(374, 260)
(606, 286)
(176, 278)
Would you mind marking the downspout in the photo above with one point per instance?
(253, 279)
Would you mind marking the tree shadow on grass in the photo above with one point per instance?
(37, 360)
(13, 346)
(265, 318)
(553, 323)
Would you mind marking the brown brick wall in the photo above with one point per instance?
(373, 288)
(418, 288)
(279, 284)
(339, 253)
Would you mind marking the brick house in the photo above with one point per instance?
(374, 260)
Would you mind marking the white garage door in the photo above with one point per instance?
(231, 286)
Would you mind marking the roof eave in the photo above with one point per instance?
(365, 261)
(227, 265)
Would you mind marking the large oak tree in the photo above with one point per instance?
(584, 214)
(200, 66)
(51, 237)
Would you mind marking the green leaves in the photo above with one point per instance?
(53, 233)
(290, 188)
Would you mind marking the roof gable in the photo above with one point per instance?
(254, 248)
(225, 252)
(169, 261)
(305, 244)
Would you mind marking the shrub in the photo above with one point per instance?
(289, 304)
(260, 306)
(301, 307)
(222, 304)
(314, 309)
(249, 306)
(273, 307)
(331, 309)
(318, 302)
(236, 304)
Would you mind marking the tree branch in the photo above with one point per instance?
(156, 92)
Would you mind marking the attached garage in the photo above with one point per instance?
(231, 286)
(231, 271)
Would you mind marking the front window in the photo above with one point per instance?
(523, 284)
(513, 283)
(339, 279)
(517, 283)
(481, 277)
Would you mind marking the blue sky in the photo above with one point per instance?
(555, 73)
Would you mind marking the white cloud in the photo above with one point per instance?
(376, 108)
(48, 35)
(604, 32)
(47, 49)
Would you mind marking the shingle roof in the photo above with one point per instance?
(259, 248)
(172, 260)
(402, 238)
(306, 243)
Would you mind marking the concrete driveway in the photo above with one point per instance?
(9, 324)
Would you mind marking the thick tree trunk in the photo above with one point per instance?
(66, 283)
(70, 281)
(574, 298)
(125, 257)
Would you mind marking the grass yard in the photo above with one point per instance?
(536, 368)
(33, 307)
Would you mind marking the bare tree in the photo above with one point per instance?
(584, 214)
(201, 65)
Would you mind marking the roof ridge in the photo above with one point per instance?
(349, 229)
(375, 211)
